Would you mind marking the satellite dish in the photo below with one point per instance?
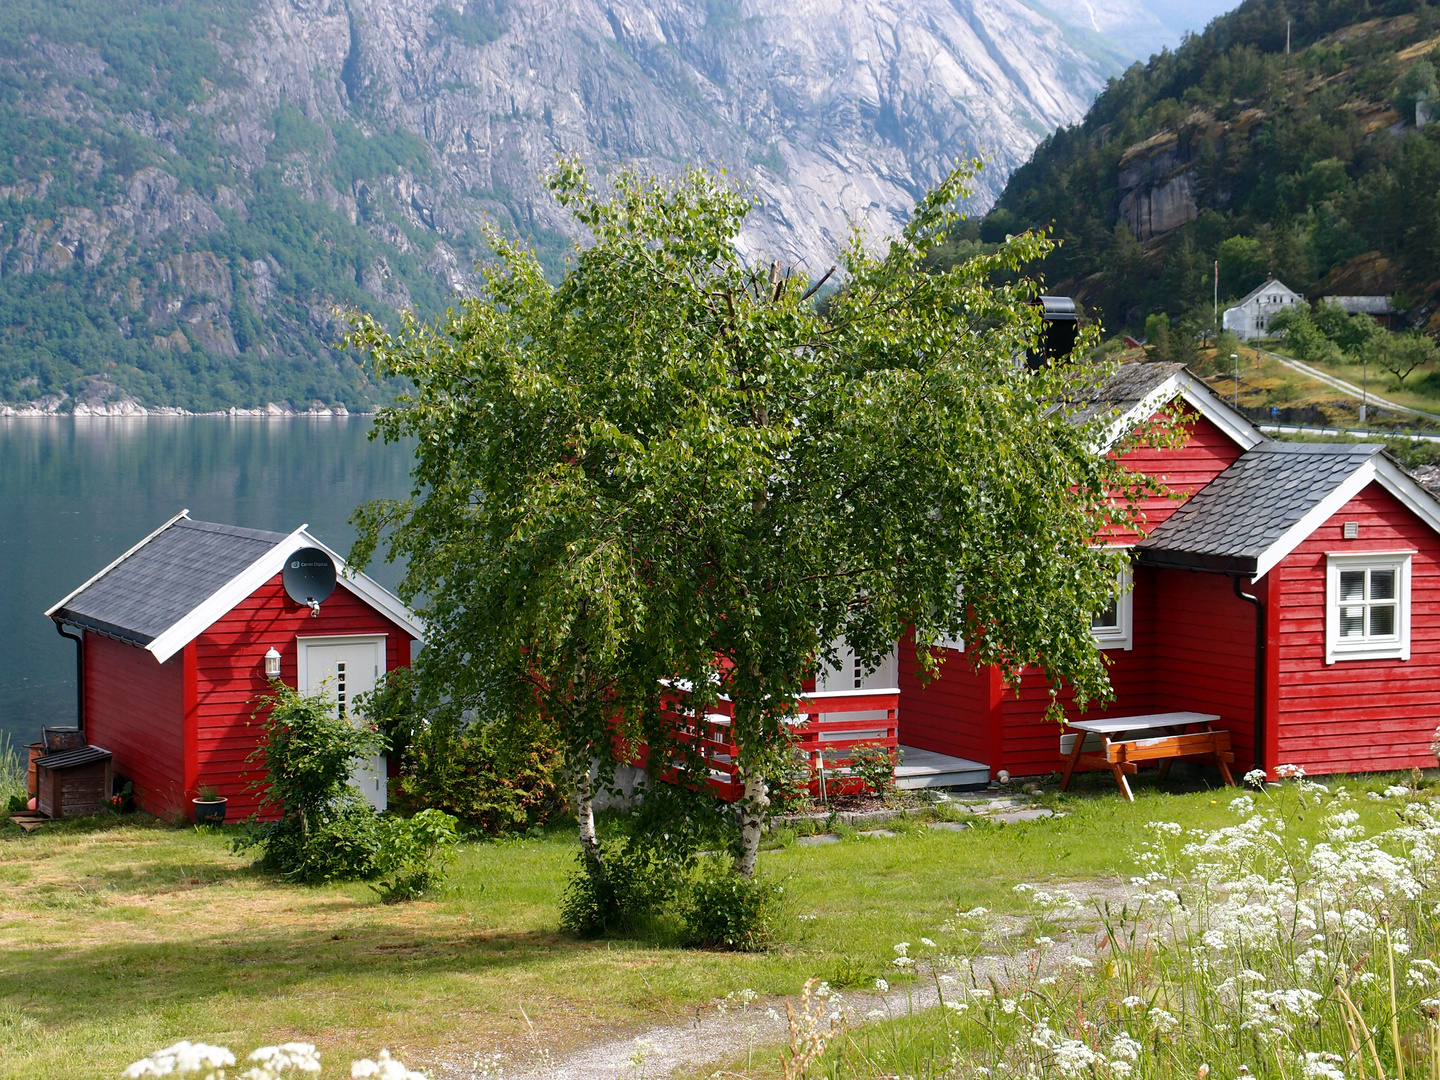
(309, 577)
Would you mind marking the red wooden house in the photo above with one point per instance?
(174, 637)
(1292, 591)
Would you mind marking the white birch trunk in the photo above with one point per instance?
(585, 809)
(753, 805)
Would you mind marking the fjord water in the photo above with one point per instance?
(77, 492)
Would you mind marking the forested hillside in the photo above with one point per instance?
(1307, 164)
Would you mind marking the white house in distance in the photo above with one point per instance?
(1250, 318)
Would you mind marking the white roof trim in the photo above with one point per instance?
(1199, 397)
(224, 599)
(111, 566)
(1205, 401)
(1377, 468)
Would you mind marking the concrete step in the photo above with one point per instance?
(928, 769)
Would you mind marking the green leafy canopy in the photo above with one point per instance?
(675, 465)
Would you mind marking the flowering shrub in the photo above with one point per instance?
(1247, 950)
(284, 1062)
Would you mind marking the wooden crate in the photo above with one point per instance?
(73, 783)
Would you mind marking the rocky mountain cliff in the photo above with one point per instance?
(190, 188)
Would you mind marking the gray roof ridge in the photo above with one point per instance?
(1275, 446)
(229, 530)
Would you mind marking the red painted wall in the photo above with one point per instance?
(133, 708)
(1205, 652)
(1357, 715)
(951, 713)
(1184, 470)
(230, 677)
(1032, 743)
(967, 713)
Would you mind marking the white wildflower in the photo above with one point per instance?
(1162, 1021)
(957, 1006)
(1008, 1006)
(1124, 1048)
(1255, 778)
(1077, 963)
(1323, 1066)
(1397, 791)
(1133, 1002)
(384, 1067)
(1290, 772)
(183, 1059)
(927, 943)
(882, 986)
(1243, 805)
(902, 948)
(274, 1060)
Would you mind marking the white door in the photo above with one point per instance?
(341, 668)
(854, 675)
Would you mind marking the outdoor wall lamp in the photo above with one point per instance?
(272, 664)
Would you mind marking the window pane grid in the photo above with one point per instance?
(1369, 605)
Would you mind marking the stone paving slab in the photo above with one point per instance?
(817, 840)
(1010, 817)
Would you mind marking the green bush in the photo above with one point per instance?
(322, 830)
(339, 841)
(414, 853)
(492, 785)
(625, 887)
(874, 765)
(722, 910)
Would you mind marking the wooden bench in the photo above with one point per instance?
(1121, 743)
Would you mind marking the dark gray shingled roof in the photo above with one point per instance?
(1228, 524)
(160, 583)
(1122, 391)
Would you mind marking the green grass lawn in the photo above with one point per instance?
(121, 936)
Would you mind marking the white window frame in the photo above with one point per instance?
(1396, 648)
(1122, 634)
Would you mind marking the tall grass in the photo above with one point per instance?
(1247, 951)
(13, 772)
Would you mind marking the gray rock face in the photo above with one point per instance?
(833, 112)
(412, 123)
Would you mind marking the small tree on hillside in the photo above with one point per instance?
(1402, 354)
(674, 468)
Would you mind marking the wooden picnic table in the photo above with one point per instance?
(1161, 737)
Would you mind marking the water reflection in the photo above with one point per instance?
(76, 492)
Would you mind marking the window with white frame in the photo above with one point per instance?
(1367, 608)
(1113, 625)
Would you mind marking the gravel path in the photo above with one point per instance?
(714, 1036)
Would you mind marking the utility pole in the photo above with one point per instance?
(1365, 390)
(1217, 301)
(1236, 358)
(1287, 37)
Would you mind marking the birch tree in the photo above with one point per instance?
(674, 467)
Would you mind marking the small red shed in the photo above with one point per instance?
(173, 638)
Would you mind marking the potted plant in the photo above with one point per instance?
(209, 806)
